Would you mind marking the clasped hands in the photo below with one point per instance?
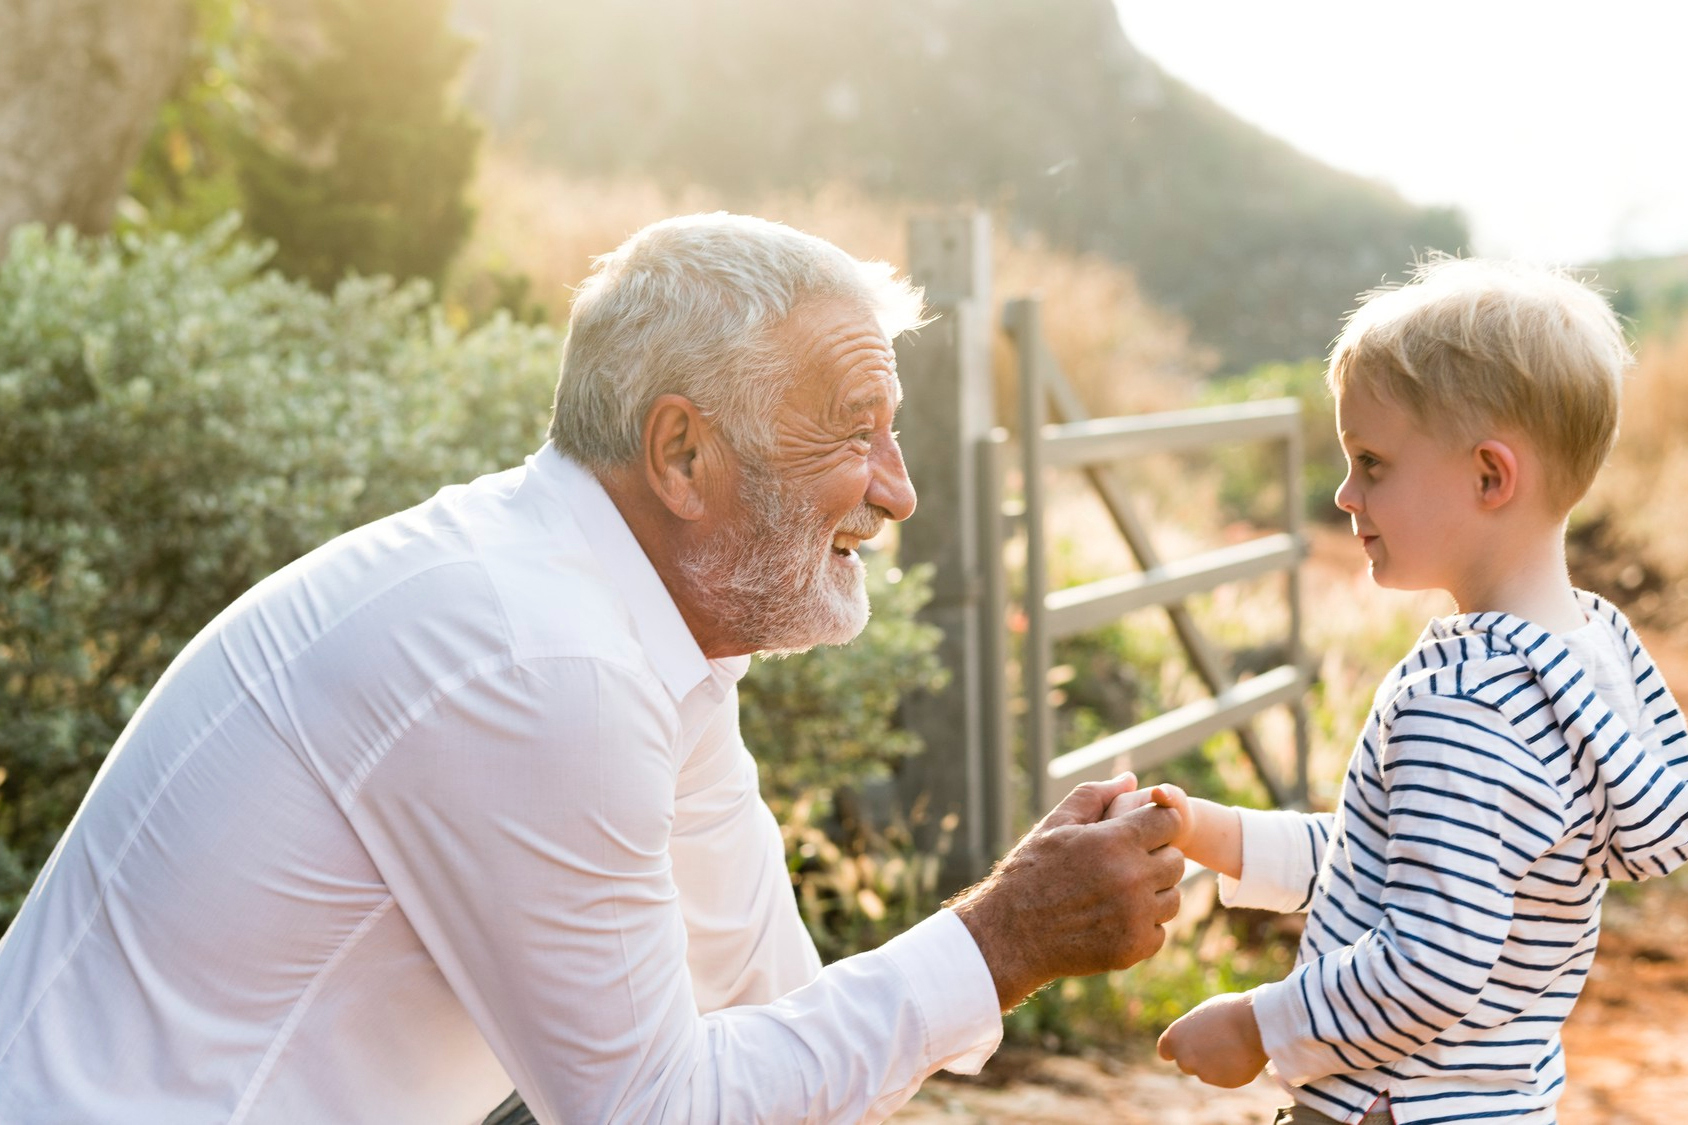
(1218, 1041)
(1080, 893)
(1090, 888)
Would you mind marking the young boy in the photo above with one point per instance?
(1525, 752)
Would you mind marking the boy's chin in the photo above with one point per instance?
(1385, 579)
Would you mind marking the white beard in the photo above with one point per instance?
(772, 582)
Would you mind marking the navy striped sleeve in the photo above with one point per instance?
(1462, 799)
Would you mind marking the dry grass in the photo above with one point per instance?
(1123, 353)
(1639, 488)
(1125, 356)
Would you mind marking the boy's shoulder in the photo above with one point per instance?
(1495, 660)
(1455, 657)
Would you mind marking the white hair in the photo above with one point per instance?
(692, 306)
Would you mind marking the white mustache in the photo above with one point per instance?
(862, 524)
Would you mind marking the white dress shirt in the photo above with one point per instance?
(451, 804)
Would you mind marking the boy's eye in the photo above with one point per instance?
(1365, 460)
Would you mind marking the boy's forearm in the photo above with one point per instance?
(1217, 842)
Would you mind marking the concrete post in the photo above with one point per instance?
(947, 410)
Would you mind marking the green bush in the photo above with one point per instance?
(176, 423)
(363, 160)
(822, 726)
(827, 719)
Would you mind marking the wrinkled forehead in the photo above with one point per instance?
(841, 358)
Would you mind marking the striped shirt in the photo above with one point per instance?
(1453, 899)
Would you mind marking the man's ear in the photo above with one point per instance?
(674, 454)
(1496, 467)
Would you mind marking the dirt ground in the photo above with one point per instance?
(1626, 1044)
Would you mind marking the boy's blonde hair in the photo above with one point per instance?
(1472, 345)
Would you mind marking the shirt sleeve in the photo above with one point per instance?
(1282, 850)
(745, 940)
(523, 824)
(1467, 811)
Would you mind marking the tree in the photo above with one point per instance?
(80, 83)
(186, 177)
(366, 159)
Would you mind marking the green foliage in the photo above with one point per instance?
(822, 727)
(365, 167)
(1109, 679)
(1650, 294)
(1244, 470)
(187, 176)
(828, 719)
(857, 887)
(174, 425)
(1232, 952)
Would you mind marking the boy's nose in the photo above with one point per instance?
(1347, 495)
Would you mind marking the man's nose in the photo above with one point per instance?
(891, 490)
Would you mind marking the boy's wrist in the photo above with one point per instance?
(1215, 837)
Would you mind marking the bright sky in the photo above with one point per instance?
(1557, 126)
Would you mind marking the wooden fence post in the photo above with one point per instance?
(947, 409)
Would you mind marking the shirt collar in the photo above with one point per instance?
(668, 643)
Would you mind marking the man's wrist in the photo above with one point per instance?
(1004, 958)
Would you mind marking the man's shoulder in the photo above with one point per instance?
(467, 575)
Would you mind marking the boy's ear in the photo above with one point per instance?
(1496, 467)
(675, 458)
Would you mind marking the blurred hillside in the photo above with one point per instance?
(1045, 111)
(1651, 294)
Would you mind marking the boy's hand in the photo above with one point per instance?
(1209, 833)
(1167, 797)
(1217, 1041)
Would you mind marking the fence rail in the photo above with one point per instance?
(1095, 445)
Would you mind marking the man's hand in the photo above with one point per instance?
(1209, 833)
(1217, 1041)
(1077, 894)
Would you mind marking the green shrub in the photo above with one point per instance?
(828, 718)
(176, 423)
(822, 726)
(363, 159)
(1231, 951)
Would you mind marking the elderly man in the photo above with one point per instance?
(458, 800)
